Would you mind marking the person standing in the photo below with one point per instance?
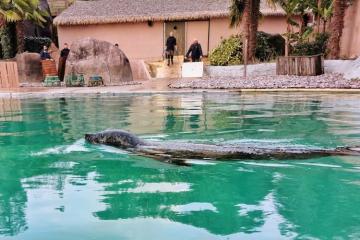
(170, 48)
(62, 61)
(195, 51)
(44, 54)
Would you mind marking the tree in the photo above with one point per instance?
(246, 12)
(336, 28)
(291, 8)
(322, 10)
(17, 11)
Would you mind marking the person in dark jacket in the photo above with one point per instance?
(44, 54)
(170, 48)
(65, 51)
(62, 61)
(195, 51)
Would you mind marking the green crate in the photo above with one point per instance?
(75, 80)
(52, 81)
(95, 81)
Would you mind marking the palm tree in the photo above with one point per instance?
(291, 8)
(322, 10)
(17, 11)
(336, 28)
(246, 12)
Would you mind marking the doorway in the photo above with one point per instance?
(178, 28)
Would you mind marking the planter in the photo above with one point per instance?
(300, 65)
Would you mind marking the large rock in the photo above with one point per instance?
(29, 67)
(90, 57)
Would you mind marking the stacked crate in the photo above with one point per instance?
(50, 73)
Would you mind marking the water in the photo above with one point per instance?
(53, 185)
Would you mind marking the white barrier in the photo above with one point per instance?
(192, 70)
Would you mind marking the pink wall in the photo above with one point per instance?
(137, 40)
(198, 30)
(219, 28)
(350, 42)
(140, 41)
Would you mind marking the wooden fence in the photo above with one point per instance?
(9, 76)
(300, 65)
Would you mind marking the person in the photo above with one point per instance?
(195, 51)
(116, 45)
(62, 61)
(44, 54)
(65, 51)
(170, 48)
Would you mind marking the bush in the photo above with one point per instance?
(35, 44)
(318, 46)
(229, 52)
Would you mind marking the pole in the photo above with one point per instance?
(245, 57)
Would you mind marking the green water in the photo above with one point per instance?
(53, 185)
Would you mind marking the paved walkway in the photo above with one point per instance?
(150, 86)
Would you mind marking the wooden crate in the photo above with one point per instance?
(49, 68)
(9, 76)
(300, 65)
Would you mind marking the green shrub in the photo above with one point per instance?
(317, 46)
(35, 44)
(229, 52)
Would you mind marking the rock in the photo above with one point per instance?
(54, 53)
(353, 71)
(332, 80)
(91, 57)
(29, 67)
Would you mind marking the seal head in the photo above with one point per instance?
(116, 138)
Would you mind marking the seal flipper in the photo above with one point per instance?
(353, 151)
(167, 159)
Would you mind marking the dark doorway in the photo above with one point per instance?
(178, 28)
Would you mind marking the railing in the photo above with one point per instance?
(9, 76)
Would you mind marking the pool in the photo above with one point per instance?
(53, 185)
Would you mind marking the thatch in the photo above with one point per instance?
(57, 6)
(120, 11)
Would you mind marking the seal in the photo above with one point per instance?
(178, 152)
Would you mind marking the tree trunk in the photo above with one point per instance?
(255, 9)
(336, 29)
(318, 22)
(20, 35)
(246, 28)
(6, 40)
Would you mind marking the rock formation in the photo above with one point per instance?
(29, 67)
(91, 57)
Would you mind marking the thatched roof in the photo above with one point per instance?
(119, 11)
(57, 6)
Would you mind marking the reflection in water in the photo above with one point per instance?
(49, 172)
(160, 188)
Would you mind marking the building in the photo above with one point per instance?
(140, 27)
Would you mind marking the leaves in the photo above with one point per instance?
(230, 51)
(18, 10)
(237, 8)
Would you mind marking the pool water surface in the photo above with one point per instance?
(54, 185)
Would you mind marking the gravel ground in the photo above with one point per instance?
(331, 80)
